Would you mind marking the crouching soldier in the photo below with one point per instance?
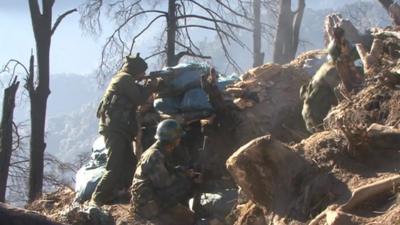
(117, 115)
(160, 188)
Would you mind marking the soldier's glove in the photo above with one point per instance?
(197, 177)
(153, 84)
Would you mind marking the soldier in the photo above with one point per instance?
(117, 114)
(160, 187)
(343, 55)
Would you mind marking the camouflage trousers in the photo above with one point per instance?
(120, 168)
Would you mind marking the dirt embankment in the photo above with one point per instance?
(346, 174)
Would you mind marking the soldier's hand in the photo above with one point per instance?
(153, 84)
(196, 176)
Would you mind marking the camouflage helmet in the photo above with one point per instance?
(168, 130)
(134, 65)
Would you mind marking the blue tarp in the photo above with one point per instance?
(184, 93)
(90, 174)
(195, 100)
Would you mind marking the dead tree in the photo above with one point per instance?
(393, 9)
(6, 138)
(288, 30)
(181, 17)
(257, 54)
(40, 90)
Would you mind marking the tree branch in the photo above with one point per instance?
(29, 79)
(60, 18)
(192, 54)
(154, 54)
(143, 30)
(297, 22)
(386, 3)
(233, 11)
(214, 20)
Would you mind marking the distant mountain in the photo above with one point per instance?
(72, 122)
(70, 135)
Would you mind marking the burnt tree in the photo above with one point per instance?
(288, 30)
(393, 9)
(386, 3)
(6, 137)
(39, 89)
(258, 56)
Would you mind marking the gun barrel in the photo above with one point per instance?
(160, 73)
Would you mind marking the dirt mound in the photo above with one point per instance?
(52, 203)
(268, 97)
(347, 174)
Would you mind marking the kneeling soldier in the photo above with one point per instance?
(160, 188)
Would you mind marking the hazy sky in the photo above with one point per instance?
(71, 50)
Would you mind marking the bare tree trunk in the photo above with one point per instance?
(41, 23)
(171, 34)
(6, 138)
(38, 94)
(386, 3)
(288, 30)
(393, 10)
(257, 54)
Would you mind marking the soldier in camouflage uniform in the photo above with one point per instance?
(117, 114)
(160, 188)
(343, 54)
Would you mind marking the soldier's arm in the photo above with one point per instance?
(159, 175)
(136, 94)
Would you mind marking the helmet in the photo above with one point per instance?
(134, 65)
(169, 130)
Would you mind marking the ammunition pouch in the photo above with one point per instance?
(117, 111)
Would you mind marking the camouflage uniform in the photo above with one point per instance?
(117, 114)
(159, 188)
(318, 96)
(343, 54)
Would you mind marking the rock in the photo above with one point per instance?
(217, 205)
(16, 216)
(265, 169)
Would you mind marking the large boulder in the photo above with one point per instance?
(268, 97)
(280, 181)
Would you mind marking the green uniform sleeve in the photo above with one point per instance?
(136, 93)
(159, 176)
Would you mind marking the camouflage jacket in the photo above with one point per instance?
(158, 181)
(117, 109)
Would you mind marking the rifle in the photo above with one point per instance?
(163, 74)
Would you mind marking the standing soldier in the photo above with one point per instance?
(117, 114)
(160, 187)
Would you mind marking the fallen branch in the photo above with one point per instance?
(359, 195)
(367, 191)
(12, 215)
